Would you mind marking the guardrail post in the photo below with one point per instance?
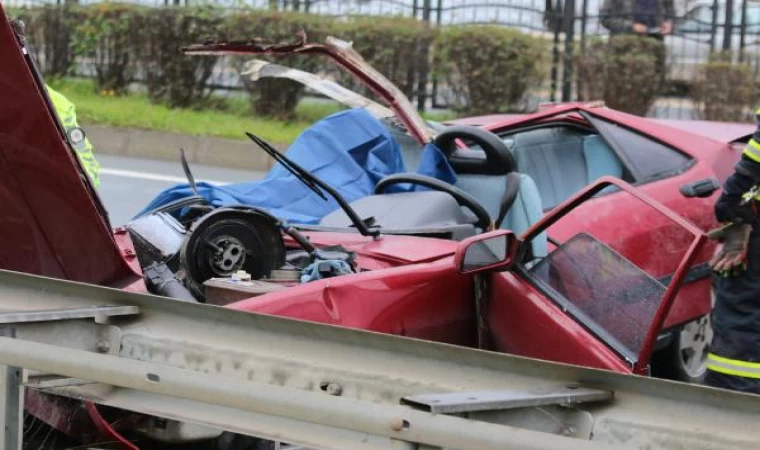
(12, 413)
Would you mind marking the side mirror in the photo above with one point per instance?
(488, 251)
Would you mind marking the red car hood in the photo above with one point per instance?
(52, 223)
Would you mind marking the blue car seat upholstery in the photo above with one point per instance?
(552, 165)
(600, 160)
(553, 157)
(562, 161)
(526, 210)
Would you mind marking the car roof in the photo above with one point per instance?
(724, 132)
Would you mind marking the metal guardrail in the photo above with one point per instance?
(332, 387)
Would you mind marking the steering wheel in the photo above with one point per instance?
(499, 159)
(463, 198)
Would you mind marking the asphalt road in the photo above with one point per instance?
(127, 185)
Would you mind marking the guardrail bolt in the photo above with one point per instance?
(103, 347)
(398, 424)
(334, 389)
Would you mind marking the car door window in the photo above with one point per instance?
(649, 160)
(603, 290)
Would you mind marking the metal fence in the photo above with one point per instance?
(701, 27)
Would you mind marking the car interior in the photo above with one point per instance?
(516, 177)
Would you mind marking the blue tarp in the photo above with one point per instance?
(350, 150)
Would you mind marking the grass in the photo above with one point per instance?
(136, 111)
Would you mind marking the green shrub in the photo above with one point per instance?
(626, 72)
(109, 34)
(724, 91)
(277, 97)
(173, 78)
(398, 47)
(48, 31)
(488, 68)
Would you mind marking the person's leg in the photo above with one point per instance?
(735, 351)
(731, 382)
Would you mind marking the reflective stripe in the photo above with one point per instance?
(733, 366)
(752, 150)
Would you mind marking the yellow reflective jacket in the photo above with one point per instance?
(67, 114)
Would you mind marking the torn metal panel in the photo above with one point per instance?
(257, 69)
(343, 53)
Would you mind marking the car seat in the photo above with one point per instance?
(488, 174)
(491, 190)
(600, 159)
(562, 161)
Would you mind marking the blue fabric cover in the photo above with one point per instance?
(350, 150)
(312, 273)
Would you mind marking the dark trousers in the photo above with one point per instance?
(736, 322)
(732, 382)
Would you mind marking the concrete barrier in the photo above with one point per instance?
(162, 145)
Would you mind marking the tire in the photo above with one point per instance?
(685, 358)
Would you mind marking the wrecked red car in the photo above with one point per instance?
(545, 158)
(602, 274)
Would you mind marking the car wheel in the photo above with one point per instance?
(685, 358)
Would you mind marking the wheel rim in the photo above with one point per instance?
(695, 339)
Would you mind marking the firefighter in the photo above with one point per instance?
(734, 359)
(67, 114)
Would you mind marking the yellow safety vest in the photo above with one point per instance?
(752, 150)
(67, 114)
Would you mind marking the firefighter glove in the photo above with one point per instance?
(731, 258)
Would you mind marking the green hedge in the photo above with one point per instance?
(277, 97)
(111, 36)
(724, 91)
(398, 47)
(50, 29)
(626, 72)
(172, 78)
(489, 68)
